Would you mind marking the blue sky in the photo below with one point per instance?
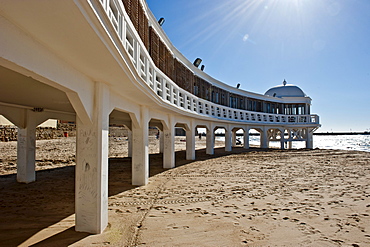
(323, 46)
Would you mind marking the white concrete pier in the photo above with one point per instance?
(86, 62)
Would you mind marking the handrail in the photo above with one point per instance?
(170, 92)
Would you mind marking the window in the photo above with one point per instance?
(196, 91)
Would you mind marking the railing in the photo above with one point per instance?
(167, 90)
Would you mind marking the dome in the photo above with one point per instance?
(285, 90)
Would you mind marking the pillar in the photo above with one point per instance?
(140, 148)
(228, 137)
(169, 145)
(190, 143)
(290, 138)
(246, 138)
(282, 139)
(26, 148)
(92, 166)
(290, 144)
(161, 142)
(129, 143)
(264, 138)
(210, 141)
(27, 121)
(309, 139)
(233, 138)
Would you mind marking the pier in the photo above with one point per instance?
(107, 62)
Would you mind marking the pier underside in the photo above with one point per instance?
(64, 60)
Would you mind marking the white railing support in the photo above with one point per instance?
(171, 94)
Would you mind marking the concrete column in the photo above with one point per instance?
(92, 166)
(129, 143)
(161, 142)
(26, 144)
(27, 121)
(309, 140)
(140, 149)
(233, 138)
(264, 138)
(228, 137)
(169, 145)
(210, 141)
(290, 144)
(190, 143)
(246, 138)
(26, 152)
(282, 140)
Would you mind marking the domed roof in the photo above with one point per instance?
(285, 90)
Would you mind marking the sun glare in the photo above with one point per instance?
(248, 18)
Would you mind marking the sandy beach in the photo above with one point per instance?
(240, 198)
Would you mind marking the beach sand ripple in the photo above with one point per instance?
(240, 198)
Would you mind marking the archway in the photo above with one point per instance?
(255, 139)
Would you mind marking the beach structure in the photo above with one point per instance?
(102, 62)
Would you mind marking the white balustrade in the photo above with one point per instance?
(169, 91)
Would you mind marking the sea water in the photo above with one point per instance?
(342, 142)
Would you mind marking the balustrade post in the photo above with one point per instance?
(177, 96)
(105, 4)
(123, 29)
(171, 93)
(184, 98)
(164, 90)
(137, 55)
(192, 102)
(155, 85)
(146, 69)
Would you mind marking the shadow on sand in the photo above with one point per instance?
(42, 213)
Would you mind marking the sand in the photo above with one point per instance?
(241, 198)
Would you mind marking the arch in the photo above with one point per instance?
(255, 135)
(139, 87)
